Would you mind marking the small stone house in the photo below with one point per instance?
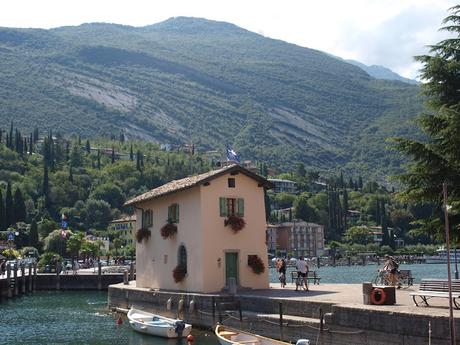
(204, 233)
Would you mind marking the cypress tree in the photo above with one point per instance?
(345, 208)
(131, 154)
(113, 154)
(138, 160)
(25, 148)
(98, 159)
(33, 238)
(88, 147)
(2, 212)
(79, 139)
(377, 212)
(19, 207)
(70, 173)
(1, 134)
(46, 186)
(31, 145)
(360, 183)
(9, 206)
(122, 137)
(67, 151)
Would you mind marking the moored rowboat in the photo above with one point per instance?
(231, 336)
(158, 325)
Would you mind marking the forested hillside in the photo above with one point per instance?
(209, 82)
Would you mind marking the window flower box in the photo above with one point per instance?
(142, 233)
(179, 273)
(235, 222)
(256, 263)
(168, 230)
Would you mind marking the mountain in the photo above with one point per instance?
(381, 72)
(213, 83)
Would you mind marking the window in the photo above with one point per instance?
(231, 207)
(173, 213)
(231, 182)
(147, 218)
(182, 257)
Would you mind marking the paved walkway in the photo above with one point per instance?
(351, 295)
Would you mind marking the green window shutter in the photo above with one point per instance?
(240, 211)
(170, 213)
(223, 207)
(177, 213)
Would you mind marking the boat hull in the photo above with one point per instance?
(156, 325)
(231, 336)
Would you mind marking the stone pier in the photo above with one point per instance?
(333, 313)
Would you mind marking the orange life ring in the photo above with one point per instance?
(379, 292)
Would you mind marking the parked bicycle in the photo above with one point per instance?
(397, 279)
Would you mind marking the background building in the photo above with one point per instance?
(284, 186)
(296, 238)
(125, 227)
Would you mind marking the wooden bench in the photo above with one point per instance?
(430, 288)
(311, 275)
(405, 277)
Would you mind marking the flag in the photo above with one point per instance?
(232, 156)
(63, 233)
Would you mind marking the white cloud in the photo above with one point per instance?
(383, 32)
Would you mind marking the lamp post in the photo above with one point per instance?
(449, 278)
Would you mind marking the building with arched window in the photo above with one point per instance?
(204, 233)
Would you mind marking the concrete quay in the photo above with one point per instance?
(328, 314)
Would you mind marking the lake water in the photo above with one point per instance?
(359, 274)
(73, 318)
(83, 318)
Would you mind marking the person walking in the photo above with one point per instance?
(302, 272)
(282, 272)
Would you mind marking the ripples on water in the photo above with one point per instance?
(73, 318)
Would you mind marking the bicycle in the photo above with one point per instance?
(300, 283)
(386, 278)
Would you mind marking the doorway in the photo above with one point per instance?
(231, 268)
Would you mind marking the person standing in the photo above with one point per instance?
(302, 272)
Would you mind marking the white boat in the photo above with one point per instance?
(158, 325)
(441, 257)
(231, 336)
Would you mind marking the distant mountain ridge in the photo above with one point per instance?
(381, 72)
(213, 83)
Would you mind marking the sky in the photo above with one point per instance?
(375, 32)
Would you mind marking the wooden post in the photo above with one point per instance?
(34, 284)
(23, 278)
(99, 275)
(8, 280)
(58, 277)
(30, 277)
(15, 274)
(125, 277)
(131, 271)
(281, 321)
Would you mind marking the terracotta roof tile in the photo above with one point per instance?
(191, 181)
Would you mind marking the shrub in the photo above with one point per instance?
(142, 233)
(169, 229)
(235, 222)
(179, 273)
(49, 258)
(256, 264)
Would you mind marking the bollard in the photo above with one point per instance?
(99, 275)
(30, 277)
(125, 277)
(15, 275)
(318, 262)
(8, 281)
(34, 284)
(281, 321)
(23, 278)
(364, 260)
(349, 260)
(58, 277)
(131, 271)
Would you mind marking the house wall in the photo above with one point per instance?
(157, 257)
(217, 238)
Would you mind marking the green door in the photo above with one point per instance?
(231, 266)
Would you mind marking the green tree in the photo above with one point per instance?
(437, 159)
(9, 206)
(33, 237)
(2, 212)
(358, 234)
(303, 210)
(109, 192)
(74, 244)
(19, 206)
